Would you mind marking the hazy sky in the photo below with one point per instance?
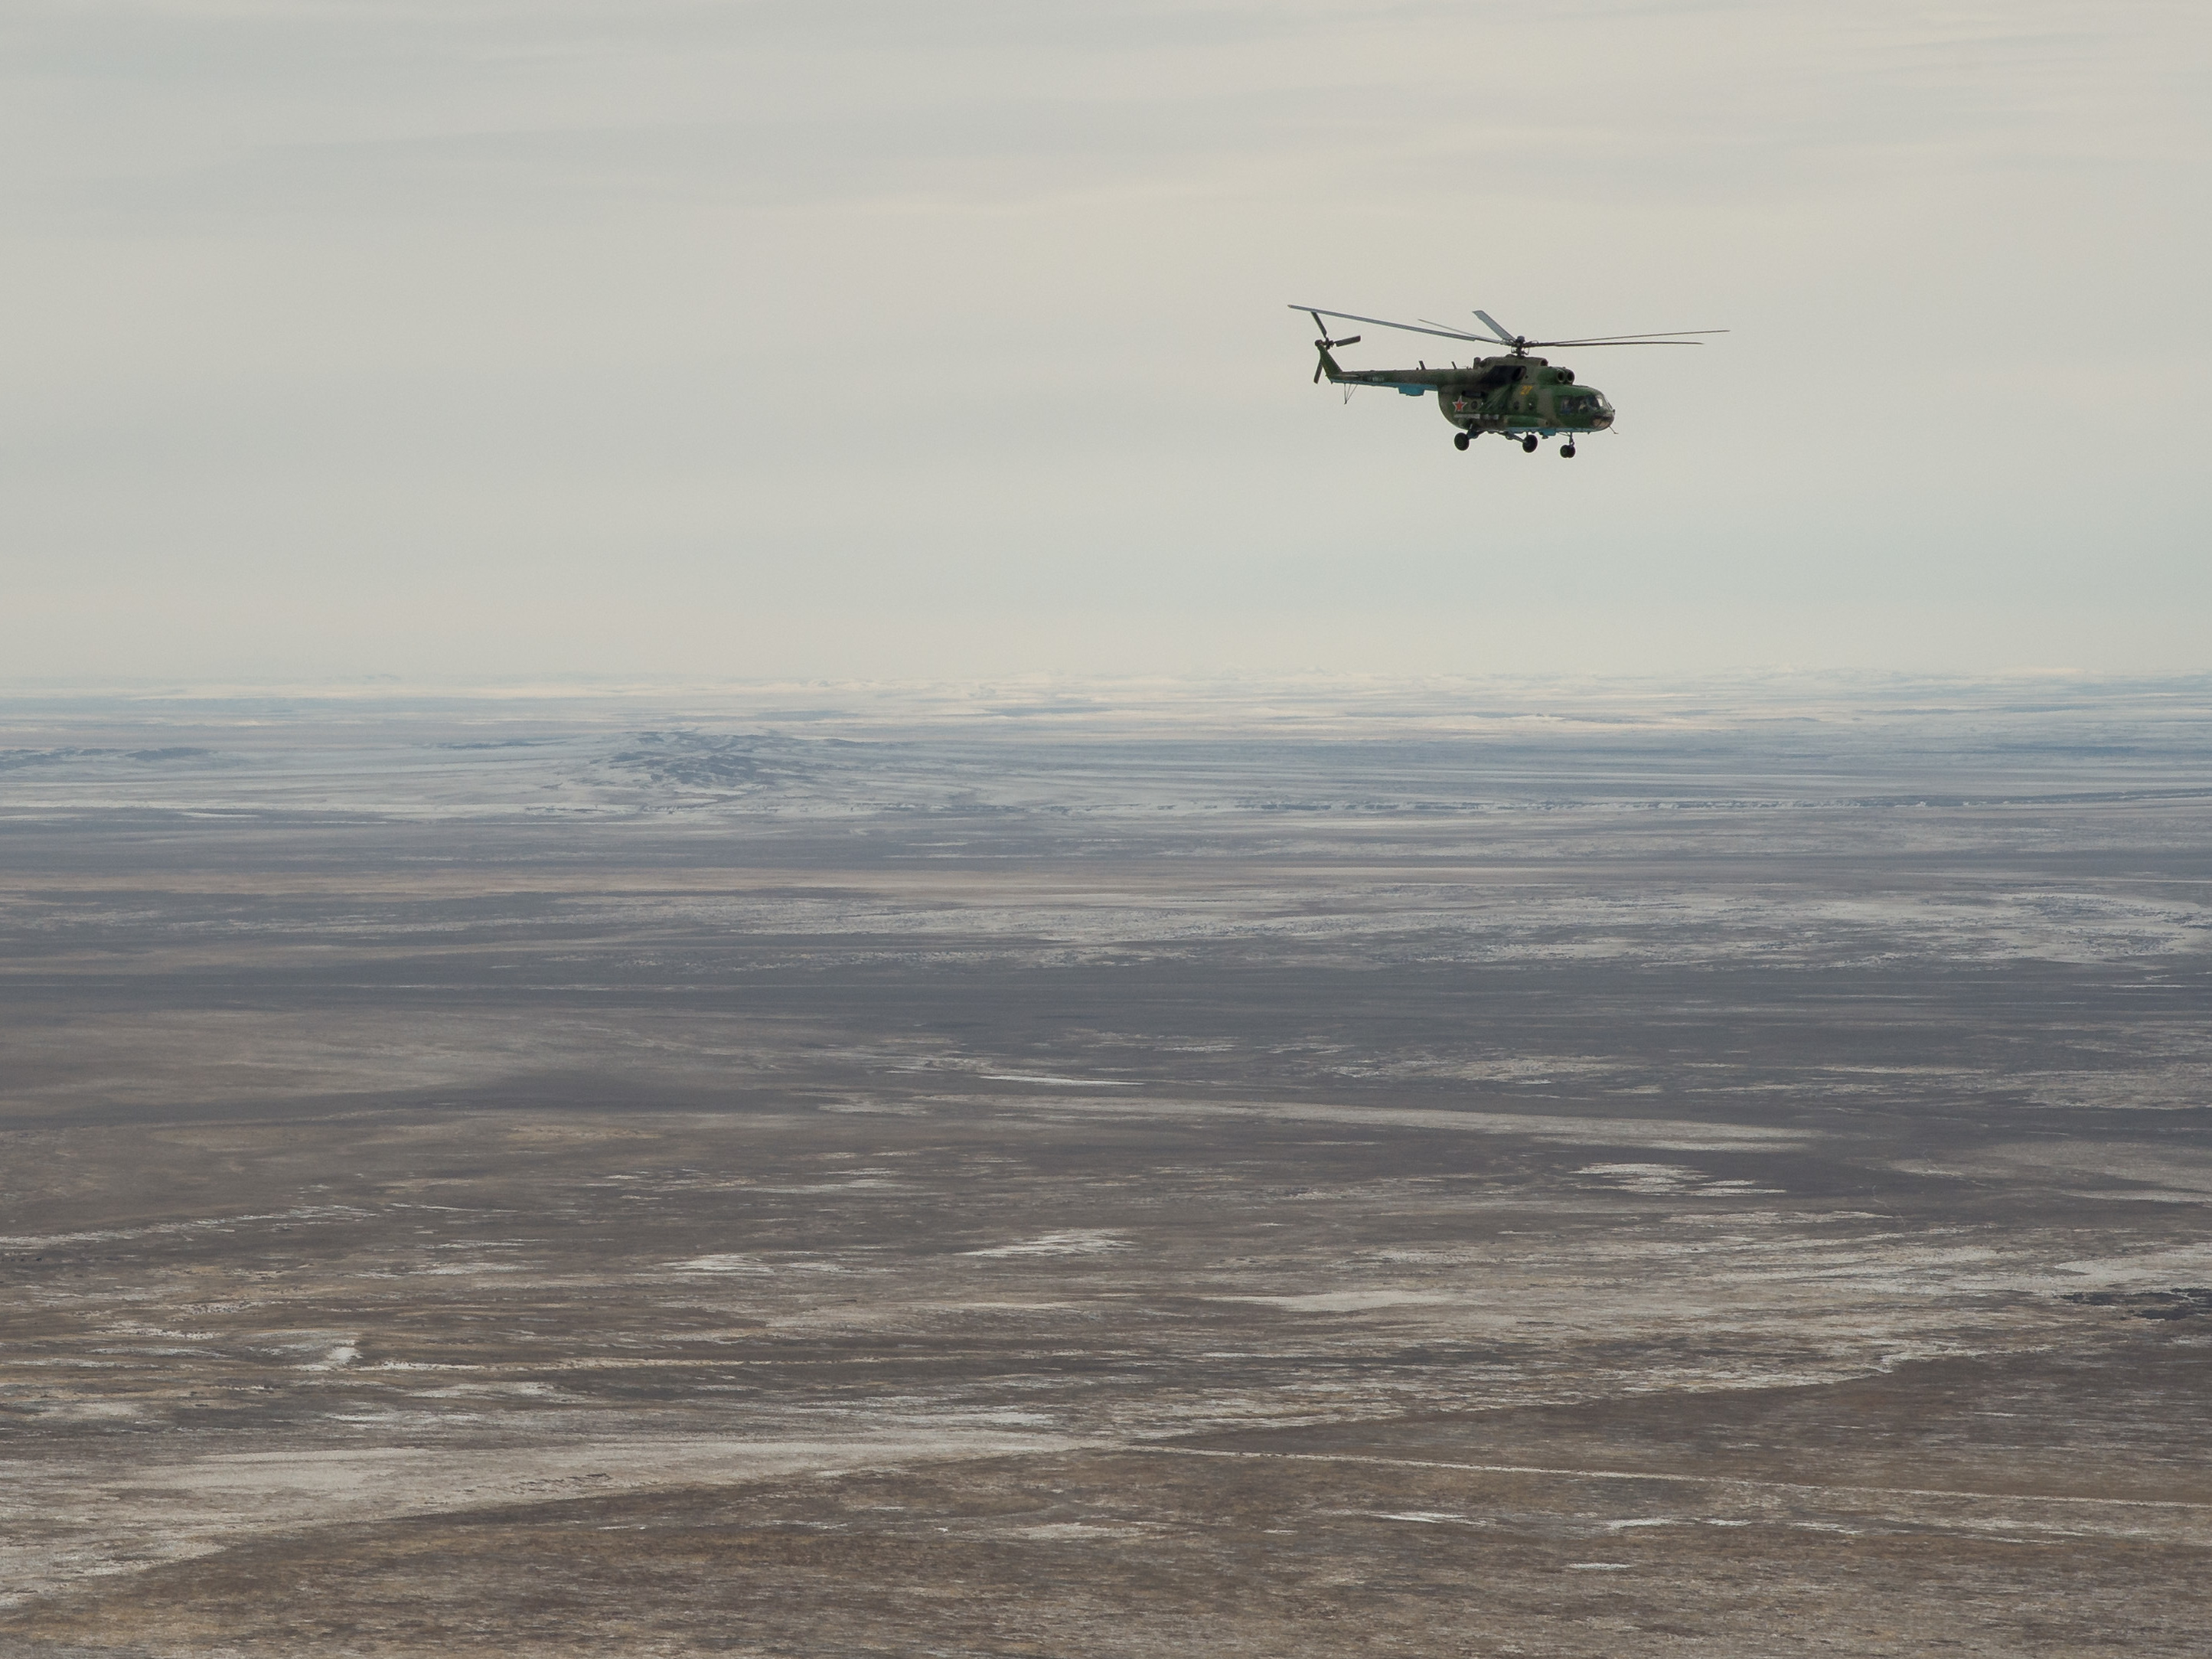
(451, 337)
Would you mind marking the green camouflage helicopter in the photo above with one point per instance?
(1517, 395)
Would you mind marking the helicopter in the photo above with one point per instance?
(1516, 395)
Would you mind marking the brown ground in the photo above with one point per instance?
(1670, 1207)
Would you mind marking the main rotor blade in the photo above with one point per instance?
(1478, 338)
(1384, 322)
(1664, 337)
(1505, 336)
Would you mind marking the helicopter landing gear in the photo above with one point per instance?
(1529, 443)
(1567, 450)
(1460, 439)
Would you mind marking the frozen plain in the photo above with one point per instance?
(1441, 1168)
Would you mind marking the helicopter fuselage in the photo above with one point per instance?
(1519, 394)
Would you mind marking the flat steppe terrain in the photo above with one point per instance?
(1313, 1171)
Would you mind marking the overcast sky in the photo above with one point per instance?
(513, 338)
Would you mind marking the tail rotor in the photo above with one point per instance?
(1325, 345)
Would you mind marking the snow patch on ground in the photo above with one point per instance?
(1078, 1242)
(1343, 1301)
(1671, 1181)
(718, 1264)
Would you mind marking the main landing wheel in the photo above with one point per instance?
(1459, 440)
(1529, 443)
(1567, 450)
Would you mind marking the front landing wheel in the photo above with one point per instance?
(1567, 450)
(1459, 440)
(1529, 443)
